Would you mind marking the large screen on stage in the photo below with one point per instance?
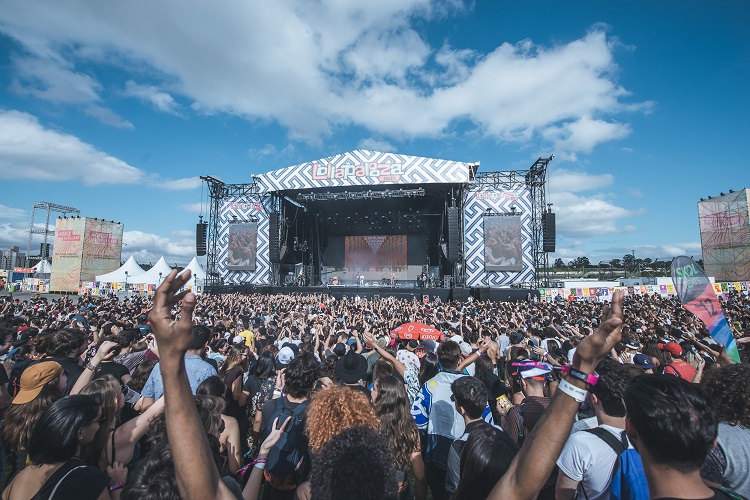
(502, 243)
(242, 246)
(376, 252)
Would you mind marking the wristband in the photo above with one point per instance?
(91, 367)
(590, 379)
(116, 486)
(260, 463)
(574, 392)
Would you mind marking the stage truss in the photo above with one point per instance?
(534, 179)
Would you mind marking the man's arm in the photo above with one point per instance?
(197, 476)
(535, 460)
(565, 489)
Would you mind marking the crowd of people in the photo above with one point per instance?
(304, 396)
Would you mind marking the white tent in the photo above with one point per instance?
(197, 272)
(155, 275)
(42, 267)
(118, 275)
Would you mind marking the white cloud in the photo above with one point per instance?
(196, 207)
(371, 144)
(179, 184)
(579, 216)
(313, 67)
(11, 213)
(584, 134)
(53, 79)
(575, 181)
(108, 117)
(30, 151)
(146, 247)
(156, 97)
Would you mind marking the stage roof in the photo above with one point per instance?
(366, 168)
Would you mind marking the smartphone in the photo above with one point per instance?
(504, 402)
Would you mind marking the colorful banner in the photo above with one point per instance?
(698, 297)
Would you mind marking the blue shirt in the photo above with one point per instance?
(197, 371)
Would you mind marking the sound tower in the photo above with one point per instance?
(273, 238)
(200, 238)
(548, 234)
(454, 235)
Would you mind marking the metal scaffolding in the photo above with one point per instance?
(49, 208)
(535, 178)
(218, 191)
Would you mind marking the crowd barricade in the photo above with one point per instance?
(604, 293)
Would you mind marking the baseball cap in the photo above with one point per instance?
(238, 340)
(633, 344)
(673, 348)
(516, 338)
(284, 357)
(34, 378)
(643, 361)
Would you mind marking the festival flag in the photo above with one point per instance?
(697, 296)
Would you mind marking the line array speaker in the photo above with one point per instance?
(454, 234)
(548, 232)
(273, 238)
(200, 238)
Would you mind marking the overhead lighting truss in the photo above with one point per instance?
(362, 195)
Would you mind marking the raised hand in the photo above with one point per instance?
(174, 336)
(596, 346)
(106, 352)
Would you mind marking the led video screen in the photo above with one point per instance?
(376, 252)
(242, 246)
(502, 243)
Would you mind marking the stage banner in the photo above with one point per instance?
(364, 168)
(102, 248)
(242, 246)
(698, 296)
(503, 243)
(67, 254)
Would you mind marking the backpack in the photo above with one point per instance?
(521, 409)
(628, 476)
(284, 468)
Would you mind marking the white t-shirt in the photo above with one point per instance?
(588, 459)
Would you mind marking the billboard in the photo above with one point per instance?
(502, 243)
(67, 254)
(725, 236)
(82, 249)
(102, 248)
(242, 246)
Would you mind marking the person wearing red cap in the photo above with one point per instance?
(676, 365)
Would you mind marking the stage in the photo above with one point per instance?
(370, 292)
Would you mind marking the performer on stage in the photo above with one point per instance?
(301, 279)
(393, 279)
(423, 280)
(361, 278)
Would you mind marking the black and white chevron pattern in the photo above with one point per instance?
(409, 170)
(478, 201)
(246, 208)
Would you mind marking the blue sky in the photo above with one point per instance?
(117, 108)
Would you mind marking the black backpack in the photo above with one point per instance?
(286, 458)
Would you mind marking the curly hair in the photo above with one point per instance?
(396, 425)
(334, 409)
(729, 389)
(355, 464)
